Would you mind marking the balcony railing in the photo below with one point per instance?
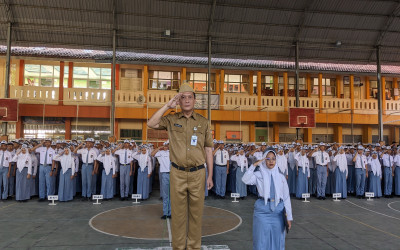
(156, 98)
(34, 94)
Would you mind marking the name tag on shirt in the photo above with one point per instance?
(178, 125)
(193, 141)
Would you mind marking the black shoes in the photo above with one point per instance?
(164, 217)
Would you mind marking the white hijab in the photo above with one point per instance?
(143, 160)
(266, 174)
(109, 163)
(375, 166)
(24, 160)
(67, 161)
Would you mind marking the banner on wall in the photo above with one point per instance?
(202, 101)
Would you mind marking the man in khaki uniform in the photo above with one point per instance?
(190, 147)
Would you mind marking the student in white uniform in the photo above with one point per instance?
(242, 166)
(89, 155)
(108, 174)
(282, 163)
(162, 155)
(268, 218)
(397, 173)
(375, 175)
(144, 172)
(360, 164)
(5, 163)
(45, 175)
(388, 167)
(125, 168)
(291, 170)
(67, 174)
(321, 159)
(221, 170)
(341, 173)
(23, 174)
(303, 172)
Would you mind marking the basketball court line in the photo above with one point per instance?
(373, 211)
(360, 222)
(1, 208)
(169, 232)
(389, 205)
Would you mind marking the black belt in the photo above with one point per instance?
(187, 169)
(224, 166)
(47, 165)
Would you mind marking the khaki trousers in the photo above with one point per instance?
(187, 203)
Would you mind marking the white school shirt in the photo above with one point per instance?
(143, 161)
(241, 161)
(258, 155)
(34, 163)
(396, 160)
(318, 157)
(252, 177)
(92, 155)
(375, 167)
(7, 158)
(225, 157)
(361, 161)
(121, 152)
(387, 160)
(50, 154)
(67, 162)
(332, 163)
(302, 161)
(281, 162)
(23, 161)
(108, 162)
(341, 162)
(163, 158)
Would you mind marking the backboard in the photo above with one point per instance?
(8, 110)
(301, 118)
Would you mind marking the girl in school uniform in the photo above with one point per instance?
(23, 174)
(282, 162)
(108, 174)
(303, 172)
(341, 173)
(397, 173)
(268, 217)
(242, 166)
(144, 173)
(375, 175)
(67, 174)
(34, 191)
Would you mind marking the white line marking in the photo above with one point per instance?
(373, 211)
(238, 225)
(169, 233)
(393, 208)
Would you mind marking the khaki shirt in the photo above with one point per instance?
(180, 131)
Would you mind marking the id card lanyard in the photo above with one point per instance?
(193, 141)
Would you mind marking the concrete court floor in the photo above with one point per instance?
(348, 224)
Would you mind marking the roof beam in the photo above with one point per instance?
(211, 21)
(385, 28)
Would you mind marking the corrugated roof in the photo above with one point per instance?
(190, 61)
(242, 29)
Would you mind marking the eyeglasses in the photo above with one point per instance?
(270, 159)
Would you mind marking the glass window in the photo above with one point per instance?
(42, 75)
(164, 80)
(328, 86)
(236, 83)
(92, 77)
(199, 81)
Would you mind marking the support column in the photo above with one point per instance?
(320, 92)
(144, 131)
(309, 85)
(259, 89)
(217, 130)
(367, 134)
(395, 86)
(68, 128)
(117, 67)
(285, 91)
(307, 135)
(145, 80)
(367, 88)
(116, 129)
(183, 74)
(275, 133)
(21, 72)
(380, 94)
(339, 84)
(338, 133)
(70, 74)
(252, 132)
(221, 93)
(251, 87)
(383, 96)
(113, 88)
(61, 86)
(19, 128)
(276, 84)
(396, 134)
(352, 92)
